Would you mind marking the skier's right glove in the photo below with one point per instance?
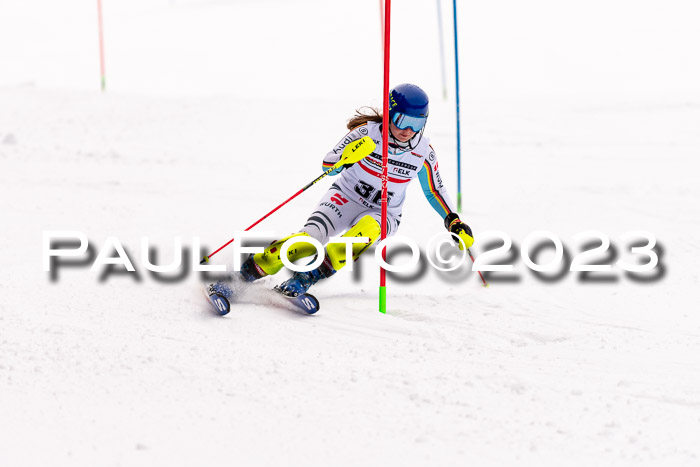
(353, 152)
(459, 228)
(356, 151)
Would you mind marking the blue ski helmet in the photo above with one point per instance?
(408, 107)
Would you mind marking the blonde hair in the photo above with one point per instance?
(360, 117)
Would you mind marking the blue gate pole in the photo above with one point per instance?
(459, 145)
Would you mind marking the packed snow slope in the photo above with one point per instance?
(228, 110)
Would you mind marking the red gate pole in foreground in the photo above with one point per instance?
(385, 151)
(102, 47)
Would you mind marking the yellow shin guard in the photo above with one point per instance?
(365, 227)
(269, 260)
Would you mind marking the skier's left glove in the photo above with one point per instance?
(459, 228)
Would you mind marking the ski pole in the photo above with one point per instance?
(480, 275)
(351, 154)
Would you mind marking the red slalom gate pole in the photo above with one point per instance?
(385, 150)
(102, 46)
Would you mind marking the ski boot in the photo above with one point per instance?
(250, 271)
(300, 282)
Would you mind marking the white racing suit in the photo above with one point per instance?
(357, 191)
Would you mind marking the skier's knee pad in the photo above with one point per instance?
(269, 260)
(365, 227)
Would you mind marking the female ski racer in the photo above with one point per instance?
(352, 205)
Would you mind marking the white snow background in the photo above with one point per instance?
(575, 116)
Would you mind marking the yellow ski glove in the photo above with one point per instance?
(459, 228)
(356, 151)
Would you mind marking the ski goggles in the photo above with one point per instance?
(403, 121)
